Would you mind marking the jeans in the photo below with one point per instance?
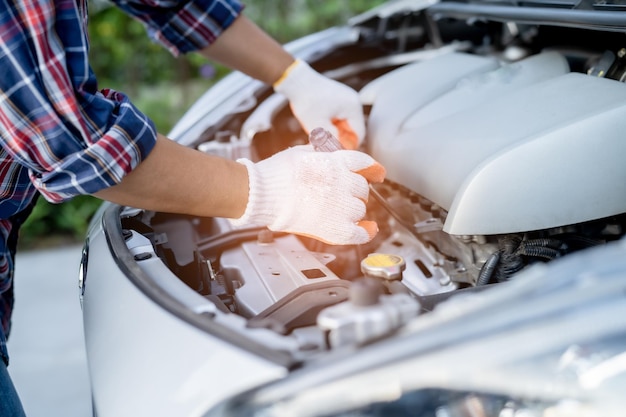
(10, 405)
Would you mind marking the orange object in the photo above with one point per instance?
(347, 136)
(374, 173)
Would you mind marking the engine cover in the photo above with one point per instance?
(485, 139)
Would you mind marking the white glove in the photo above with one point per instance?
(317, 194)
(318, 101)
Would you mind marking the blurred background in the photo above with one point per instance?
(163, 87)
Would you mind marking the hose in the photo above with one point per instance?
(488, 268)
(514, 254)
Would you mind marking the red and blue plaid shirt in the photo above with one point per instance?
(59, 134)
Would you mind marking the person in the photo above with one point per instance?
(62, 136)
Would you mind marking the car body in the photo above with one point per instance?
(495, 286)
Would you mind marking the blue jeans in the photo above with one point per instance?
(10, 404)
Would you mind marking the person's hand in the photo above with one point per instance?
(318, 101)
(316, 194)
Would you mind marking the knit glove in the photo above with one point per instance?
(318, 101)
(316, 194)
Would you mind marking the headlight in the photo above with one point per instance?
(550, 343)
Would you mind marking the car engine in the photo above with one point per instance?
(503, 149)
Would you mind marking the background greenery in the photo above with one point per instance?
(124, 58)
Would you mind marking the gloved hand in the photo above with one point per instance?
(317, 194)
(318, 101)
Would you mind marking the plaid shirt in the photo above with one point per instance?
(59, 134)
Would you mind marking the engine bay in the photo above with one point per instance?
(503, 149)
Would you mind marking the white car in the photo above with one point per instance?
(496, 285)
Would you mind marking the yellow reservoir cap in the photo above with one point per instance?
(383, 265)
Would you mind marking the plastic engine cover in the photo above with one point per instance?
(504, 149)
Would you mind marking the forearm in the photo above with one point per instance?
(177, 179)
(247, 48)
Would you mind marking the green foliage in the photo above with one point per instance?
(286, 20)
(122, 55)
(50, 223)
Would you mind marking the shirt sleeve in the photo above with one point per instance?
(183, 26)
(72, 138)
